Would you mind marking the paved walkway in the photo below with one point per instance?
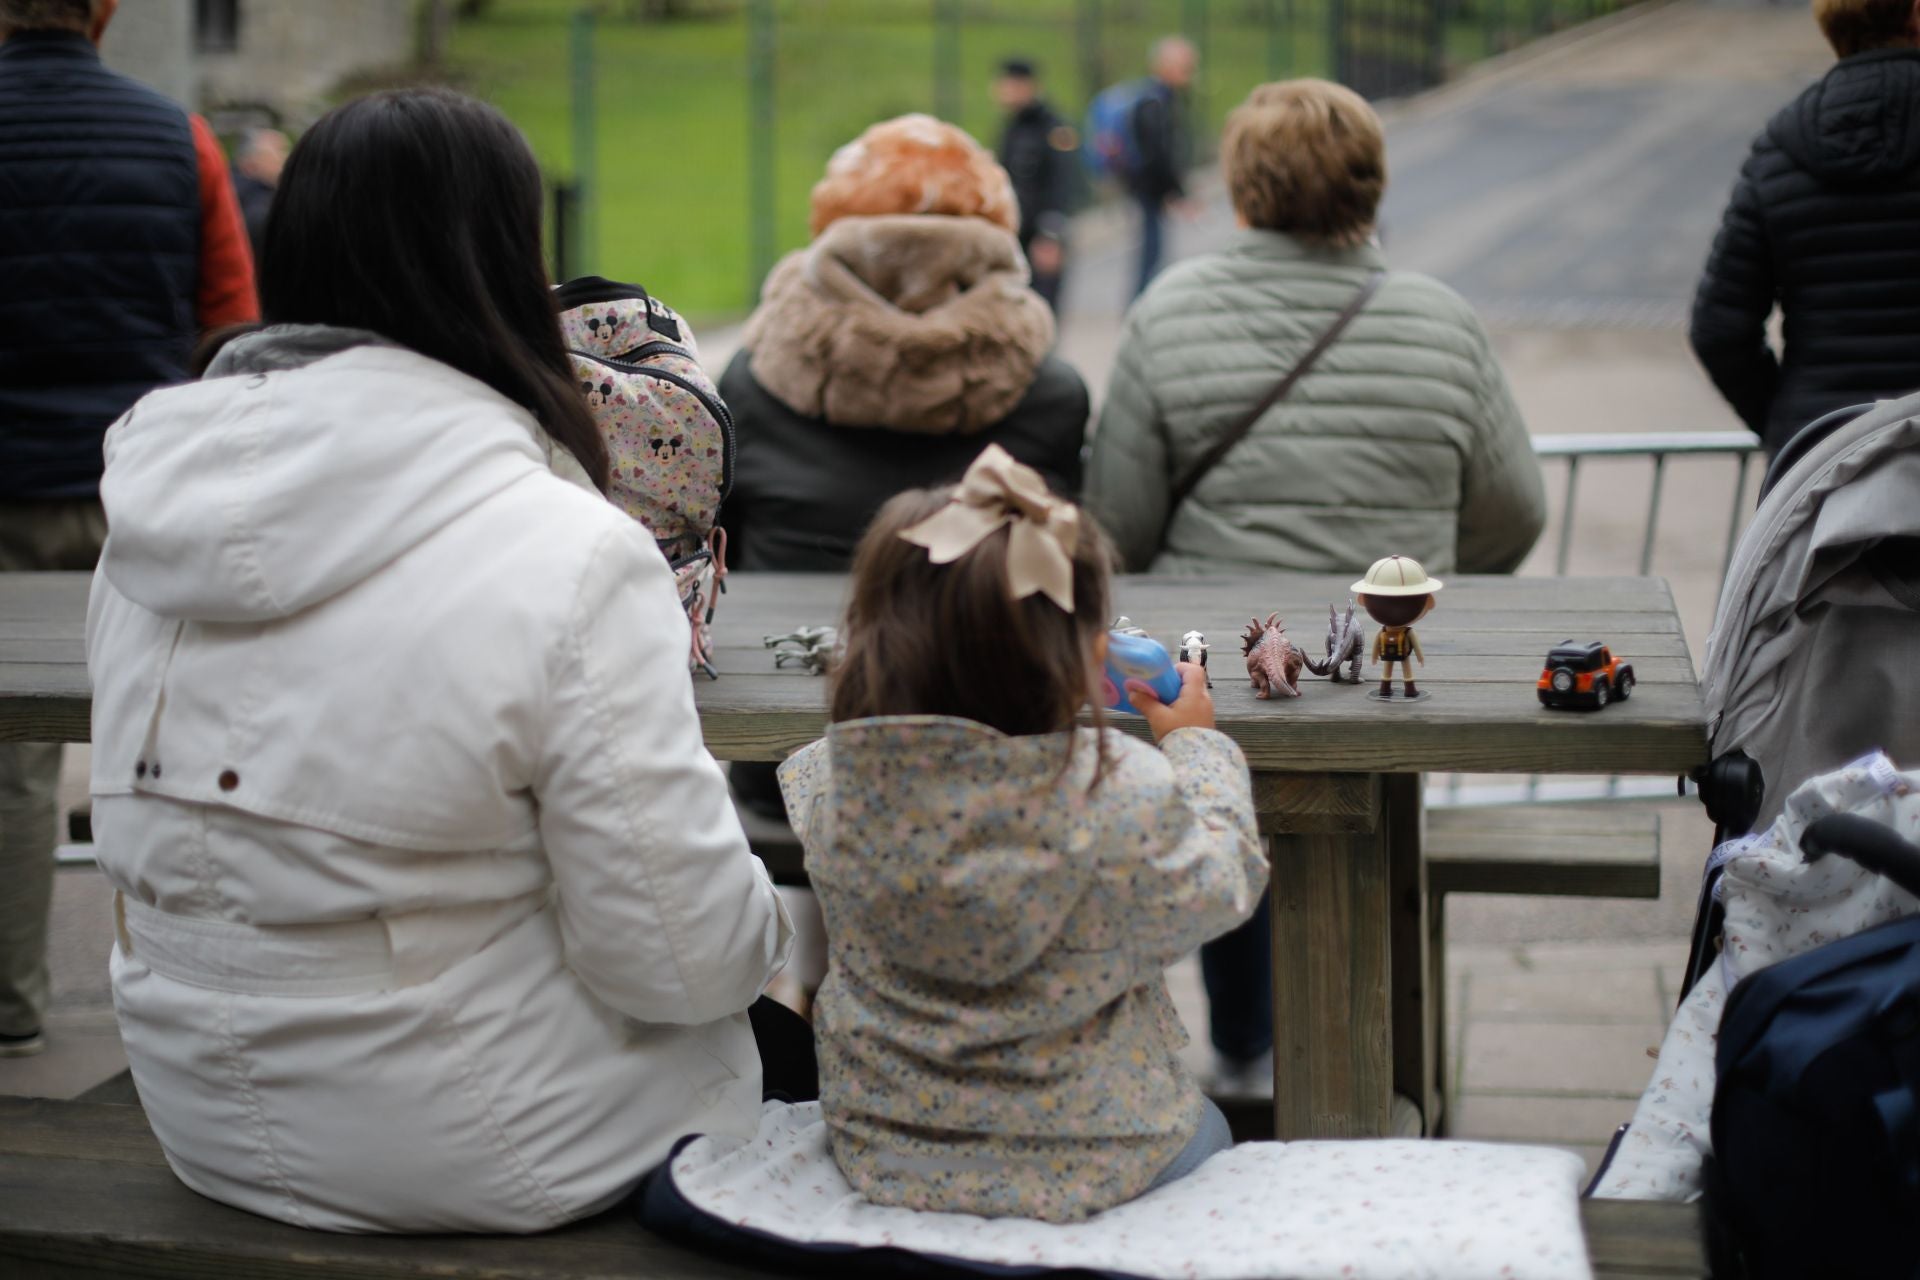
(1569, 192)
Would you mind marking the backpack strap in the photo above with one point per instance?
(1243, 425)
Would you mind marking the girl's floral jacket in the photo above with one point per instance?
(995, 1032)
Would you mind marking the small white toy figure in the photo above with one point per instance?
(1193, 648)
(1397, 593)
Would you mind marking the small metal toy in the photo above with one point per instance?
(1397, 593)
(1273, 663)
(1584, 675)
(1193, 648)
(809, 647)
(1343, 647)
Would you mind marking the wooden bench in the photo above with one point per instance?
(85, 1192)
(1542, 849)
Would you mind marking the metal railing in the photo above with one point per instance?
(1659, 446)
(1451, 790)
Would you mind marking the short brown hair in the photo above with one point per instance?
(1857, 26)
(947, 639)
(1307, 157)
(46, 15)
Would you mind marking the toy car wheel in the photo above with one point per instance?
(1601, 694)
(1562, 681)
(1626, 686)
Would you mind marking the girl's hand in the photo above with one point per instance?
(1193, 709)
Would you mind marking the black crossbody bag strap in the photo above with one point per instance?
(1224, 445)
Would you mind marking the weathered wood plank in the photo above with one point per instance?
(1317, 802)
(1333, 1025)
(1642, 1237)
(1544, 850)
(1481, 718)
(105, 1205)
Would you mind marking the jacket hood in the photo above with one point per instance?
(319, 459)
(912, 323)
(954, 874)
(1859, 125)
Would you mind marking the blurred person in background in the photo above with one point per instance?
(1039, 151)
(886, 355)
(1823, 223)
(1139, 135)
(257, 162)
(122, 245)
(1403, 438)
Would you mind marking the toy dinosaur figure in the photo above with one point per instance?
(1343, 646)
(1272, 661)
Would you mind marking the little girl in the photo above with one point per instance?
(1002, 890)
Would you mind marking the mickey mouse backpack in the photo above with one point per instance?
(669, 435)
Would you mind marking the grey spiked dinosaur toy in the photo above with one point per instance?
(1273, 663)
(1343, 647)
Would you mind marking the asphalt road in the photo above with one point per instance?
(1576, 185)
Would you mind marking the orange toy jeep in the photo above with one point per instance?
(1584, 675)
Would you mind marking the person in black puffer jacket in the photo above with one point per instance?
(1825, 223)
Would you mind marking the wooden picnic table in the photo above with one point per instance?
(1336, 774)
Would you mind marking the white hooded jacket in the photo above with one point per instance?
(435, 915)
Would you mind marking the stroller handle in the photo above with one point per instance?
(1873, 845)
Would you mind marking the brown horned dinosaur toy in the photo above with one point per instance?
(1272, 661)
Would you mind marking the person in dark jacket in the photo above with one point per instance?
(257, 162)
(1038, 150)
(1163, 149)
(119, 243)
(1824, 223)
(886, 355)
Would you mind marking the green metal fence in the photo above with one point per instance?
(736, 104)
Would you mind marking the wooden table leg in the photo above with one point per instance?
(1328, 842)
(1416, 1003)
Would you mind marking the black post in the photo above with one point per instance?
(761, 51)
(566, 201)
(1337, 40)
(1093, 61)
(947, 103)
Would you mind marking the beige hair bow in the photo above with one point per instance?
(998, 491)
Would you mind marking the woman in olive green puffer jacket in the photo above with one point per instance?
(1403, 439)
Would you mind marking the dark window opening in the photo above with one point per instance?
(216, 25)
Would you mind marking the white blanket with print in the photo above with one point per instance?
(1381, 1210)
(1777, 905)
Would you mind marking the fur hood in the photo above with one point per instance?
(917, 323)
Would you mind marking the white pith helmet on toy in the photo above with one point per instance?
(1396, 576)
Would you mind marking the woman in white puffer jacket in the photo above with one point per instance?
(433, 911)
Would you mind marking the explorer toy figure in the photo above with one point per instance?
(1397, 593)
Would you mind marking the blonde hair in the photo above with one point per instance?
(1307, 157)
(1857, 26)
(914, 164)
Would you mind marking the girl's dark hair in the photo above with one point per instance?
(928, 639)
(416, 214)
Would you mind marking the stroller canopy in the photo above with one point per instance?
(1815, 650)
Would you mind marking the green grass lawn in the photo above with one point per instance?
(672, 101)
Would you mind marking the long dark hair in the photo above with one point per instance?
(948, 640)
(416, 214)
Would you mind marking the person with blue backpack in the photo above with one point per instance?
(1137, 134)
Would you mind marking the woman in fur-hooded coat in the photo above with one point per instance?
(893, 349)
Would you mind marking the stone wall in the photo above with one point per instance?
(152, 41)
(293, 52)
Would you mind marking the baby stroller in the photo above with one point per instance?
(1808, 694)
